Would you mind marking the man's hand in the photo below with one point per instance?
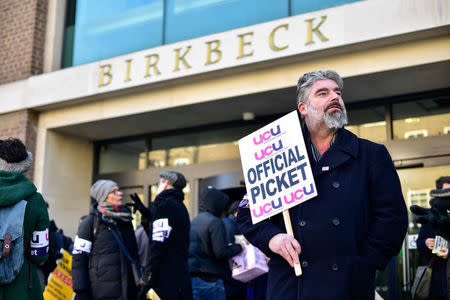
(286, 246)
(443, 254)
(429, 243)
(145, 212)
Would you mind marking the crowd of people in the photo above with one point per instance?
(354, 226)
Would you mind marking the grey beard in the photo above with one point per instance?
(336, 119)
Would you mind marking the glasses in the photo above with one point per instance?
(115, 191)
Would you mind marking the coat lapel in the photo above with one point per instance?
(344, 148)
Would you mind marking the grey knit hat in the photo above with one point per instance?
(14, 156)
(175, 179)
(101, 188)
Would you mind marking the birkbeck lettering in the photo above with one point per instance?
(213, 54)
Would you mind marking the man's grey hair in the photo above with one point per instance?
(307, 80)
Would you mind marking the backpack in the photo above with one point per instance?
(11, 241)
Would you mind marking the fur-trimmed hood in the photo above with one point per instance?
(19, 167)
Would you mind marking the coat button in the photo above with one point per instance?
(302, 223)
(336, 222)
(304, 264)
(335, 184)
(334, 267)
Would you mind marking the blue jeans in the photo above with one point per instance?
(203, 290)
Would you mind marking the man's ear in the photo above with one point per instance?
(165, 183)
(302, 108)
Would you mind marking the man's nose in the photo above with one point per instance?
(335, 96)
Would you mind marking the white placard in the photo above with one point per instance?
(412, 241)
(276, 168)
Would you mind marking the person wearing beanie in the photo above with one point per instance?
(15, 161)
(100, 268)
(166, 269)
(426, 240)
(208, 250)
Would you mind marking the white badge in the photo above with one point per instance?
(39, 243)
(81, 245)
(161, 230)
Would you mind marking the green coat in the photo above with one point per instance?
(13, 188)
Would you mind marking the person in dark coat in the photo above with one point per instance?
(355, 224)
(15, 161)
(425, 245)
(437, 215)
(208, 250)
(166, 269)
(99, 268)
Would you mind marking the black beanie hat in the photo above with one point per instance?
(14, 156)
(175, 179)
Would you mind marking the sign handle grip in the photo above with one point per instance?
(288, 224)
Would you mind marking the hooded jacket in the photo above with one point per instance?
(208, 249)
(15, 187)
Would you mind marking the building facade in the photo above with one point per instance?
(126, 90)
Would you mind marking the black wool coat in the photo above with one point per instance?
(167, 258)
(438, 286)
(354, 226)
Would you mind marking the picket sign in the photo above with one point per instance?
(277, 171)
(59, 286)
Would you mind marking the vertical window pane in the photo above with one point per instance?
(120, 157)
(368, 123)
(421, 118)
(105, 28)
(187, 19)
(301, 6)
(216, 152)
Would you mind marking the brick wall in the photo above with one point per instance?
(22, 37)
(22, 125)
(22, 34)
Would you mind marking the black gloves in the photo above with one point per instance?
(145, 212)
(436, 216)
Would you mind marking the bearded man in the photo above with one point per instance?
(354, 226)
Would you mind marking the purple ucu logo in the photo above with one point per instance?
(269, 150)
(267, 135)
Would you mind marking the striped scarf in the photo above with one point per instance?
(114, 211)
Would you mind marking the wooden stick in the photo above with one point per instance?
(288, 224)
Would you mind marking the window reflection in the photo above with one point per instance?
(199, 147)
(368, 123)
(421, 118)
(120, 157)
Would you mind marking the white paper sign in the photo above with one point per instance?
(276, 168)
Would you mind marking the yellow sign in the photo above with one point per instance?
(59, 286)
